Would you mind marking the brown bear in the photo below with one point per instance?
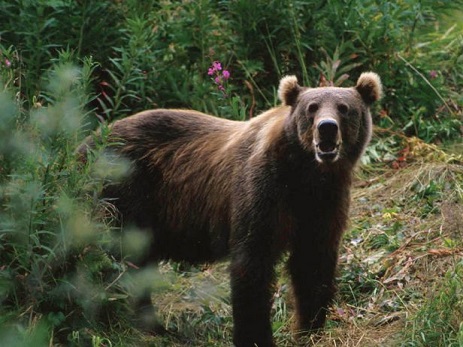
(205, 187)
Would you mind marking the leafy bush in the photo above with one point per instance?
(55, 273)
(156, 54)
(39, 30)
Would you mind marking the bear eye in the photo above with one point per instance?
(343, 108)
(313, 108)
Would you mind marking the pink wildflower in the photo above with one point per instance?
(7, 63)
(216, 65)
(219, 78)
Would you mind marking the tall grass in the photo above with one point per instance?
(39, 30)
(439, 322)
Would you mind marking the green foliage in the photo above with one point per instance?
(39, 29)
(357, 282)
(156, 54)
(54, 270)
(429, 194)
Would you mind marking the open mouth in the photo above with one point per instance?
(327, 151)
(327, 146)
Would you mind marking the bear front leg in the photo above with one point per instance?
(312, 271)
(252, 277)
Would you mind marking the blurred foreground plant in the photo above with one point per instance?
(56, 276)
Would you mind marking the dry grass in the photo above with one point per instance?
(418, 239)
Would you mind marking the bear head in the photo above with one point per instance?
(332, 122)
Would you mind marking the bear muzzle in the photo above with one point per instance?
(327, 141)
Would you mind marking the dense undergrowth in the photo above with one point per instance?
(68, 67)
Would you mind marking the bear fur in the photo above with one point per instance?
(205, 188)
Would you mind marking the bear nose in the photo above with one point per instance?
(328, 129)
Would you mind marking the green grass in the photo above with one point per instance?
(440, 321)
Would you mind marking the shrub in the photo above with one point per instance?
(55, 273)
(156, 54)
(39, 30)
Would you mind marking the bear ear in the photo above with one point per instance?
(369, 87)
(288, 90)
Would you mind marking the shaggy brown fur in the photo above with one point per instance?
(205, 187)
